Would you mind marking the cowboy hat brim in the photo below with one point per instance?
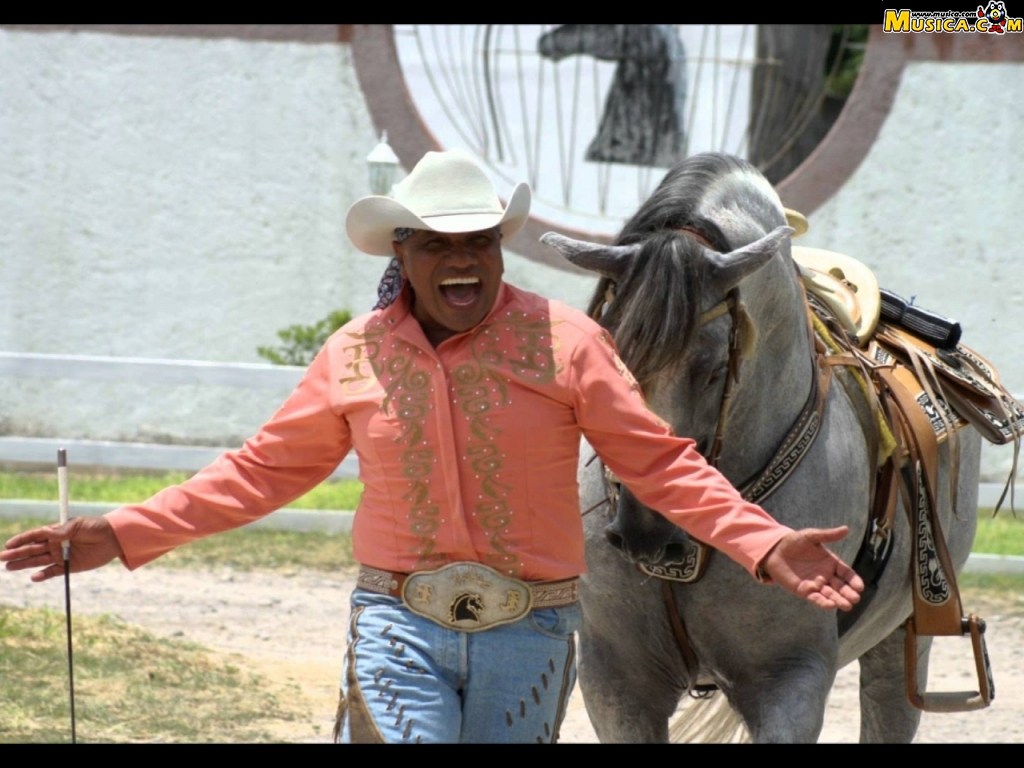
(371, 221)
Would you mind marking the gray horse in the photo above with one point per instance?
(702, 296)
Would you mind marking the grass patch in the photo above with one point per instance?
(999, 535)
(1008, 587)
(244, 549)
(130, 686)
(123, 488)
(262, 549)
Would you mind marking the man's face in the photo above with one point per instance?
(455, 278)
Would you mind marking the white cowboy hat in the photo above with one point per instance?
(446, 192)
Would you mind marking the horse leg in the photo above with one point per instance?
(630, 669)
(886, 714)
(628, 699)
(785, 704)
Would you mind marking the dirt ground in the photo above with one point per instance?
(292, 630)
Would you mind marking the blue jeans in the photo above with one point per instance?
(408, 679)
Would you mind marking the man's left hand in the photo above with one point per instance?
(801, 564)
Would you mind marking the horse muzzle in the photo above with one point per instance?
(644, 537)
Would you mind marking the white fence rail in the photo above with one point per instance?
(136, 455)
(246, 375)
(35, 451)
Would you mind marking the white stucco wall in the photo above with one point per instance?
(176, 198)
(184, 198)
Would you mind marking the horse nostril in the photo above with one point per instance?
(614, 538)
(674, 553)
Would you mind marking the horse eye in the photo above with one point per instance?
(717, 373)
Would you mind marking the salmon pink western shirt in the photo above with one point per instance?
(467, 452)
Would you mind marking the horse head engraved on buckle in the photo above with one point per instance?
(467, 596)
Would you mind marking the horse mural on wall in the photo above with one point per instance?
(802, 407)
(643, 118)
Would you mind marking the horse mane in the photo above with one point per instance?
(654, 309)
(653, 313)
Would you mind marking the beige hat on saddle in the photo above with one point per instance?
(446, 192)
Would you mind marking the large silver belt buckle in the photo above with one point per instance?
(467, 596)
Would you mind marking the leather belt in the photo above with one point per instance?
(468, 596)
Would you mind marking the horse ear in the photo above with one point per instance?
(732, 267)
(609, 261)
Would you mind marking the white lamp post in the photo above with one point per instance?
(383, 164)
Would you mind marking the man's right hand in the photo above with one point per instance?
(92, 544)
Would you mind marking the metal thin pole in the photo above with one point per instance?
(62, 488)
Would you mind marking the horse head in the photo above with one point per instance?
(644, 113)
(695, 291)
(641, 535)
(611, 42)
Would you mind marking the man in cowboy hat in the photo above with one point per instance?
(465, 399)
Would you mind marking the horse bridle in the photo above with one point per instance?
(791, 450)
(736, 311)
(802, 433)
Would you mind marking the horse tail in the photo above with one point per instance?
(707, 721)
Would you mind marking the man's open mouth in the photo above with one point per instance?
(460, 291)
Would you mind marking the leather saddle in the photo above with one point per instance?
(924, 386)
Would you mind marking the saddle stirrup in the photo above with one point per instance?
(951, 701)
